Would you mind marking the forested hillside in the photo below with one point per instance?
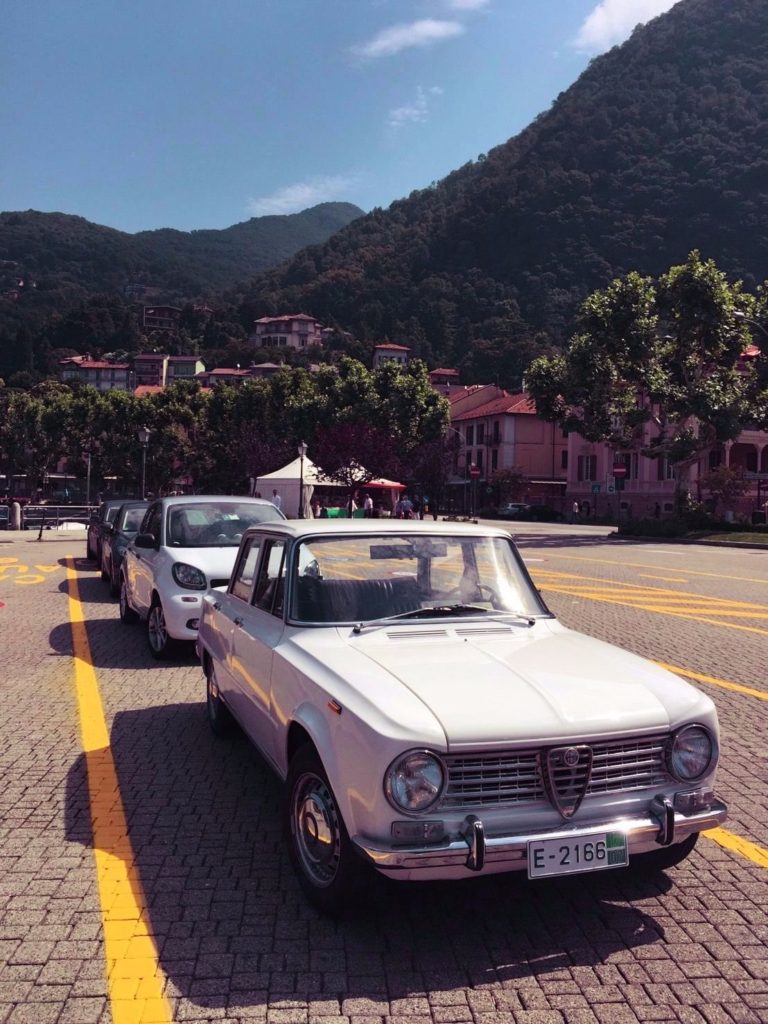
(64, 259)
(660, 147)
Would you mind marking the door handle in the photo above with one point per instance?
(217, 605)
(238, 621)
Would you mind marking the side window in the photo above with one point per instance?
(271, 580)
(242, 581)
(151, 522)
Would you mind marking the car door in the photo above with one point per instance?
(223, 612)
(143, 562)
(253, 644)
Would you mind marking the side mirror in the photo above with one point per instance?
(144, 540)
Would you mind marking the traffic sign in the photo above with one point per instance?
(611, 489)
(595, 488)
(474, 471)
(619, 469)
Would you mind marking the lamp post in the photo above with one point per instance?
(302, 452)
(143, 435)
(744, 319)
(88, 478)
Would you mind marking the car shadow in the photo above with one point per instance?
(232, 927)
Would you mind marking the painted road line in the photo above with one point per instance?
(724, 683)
(664, 579)
(663, 568)
(134, 979)
(735, 844)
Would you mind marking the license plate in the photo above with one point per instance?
(571, 856)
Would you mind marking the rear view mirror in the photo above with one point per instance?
(145, 540)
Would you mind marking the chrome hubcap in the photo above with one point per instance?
(316, 829)
(158, 635)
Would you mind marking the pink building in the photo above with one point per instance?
(501, 431)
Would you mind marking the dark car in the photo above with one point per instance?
(543, 514)
(105, 514)
(115, 539)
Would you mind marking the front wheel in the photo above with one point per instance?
(160, 643)
(219, 716)
(329, 870)
(127, 614)
(665, 857)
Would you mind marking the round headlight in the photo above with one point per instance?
(188, 576)
(415, 781)
(691, 752)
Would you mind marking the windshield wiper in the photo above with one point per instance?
(442, 612)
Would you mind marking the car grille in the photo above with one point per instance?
(514, 777)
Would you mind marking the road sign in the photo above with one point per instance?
(595, 488)
(611, 489)
(474, 471)
(619, 469)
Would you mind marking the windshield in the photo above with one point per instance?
(132, 518)
(208, 524)
(356, 579)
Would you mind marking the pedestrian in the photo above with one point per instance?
(656, 510)
(276, 500)
(399, 508)
(576, 512)
(407, 506)
(368, 507)
(418, 512)
(315, 508)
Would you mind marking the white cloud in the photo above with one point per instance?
(466, 5)
(402, 37)
(612, 21)
(415, 112)
(300, 196)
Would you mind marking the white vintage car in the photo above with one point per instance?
(432, 719)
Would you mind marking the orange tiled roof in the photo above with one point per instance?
(506, 405)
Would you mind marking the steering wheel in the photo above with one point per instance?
(463, 589)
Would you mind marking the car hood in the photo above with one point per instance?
(545, 683)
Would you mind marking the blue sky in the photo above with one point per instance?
(199, 114)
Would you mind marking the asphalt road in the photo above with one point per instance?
(145, 878)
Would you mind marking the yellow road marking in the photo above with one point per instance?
(643, 565)
(134, 978)
(735, 844)
(724, 683)
(666, 579)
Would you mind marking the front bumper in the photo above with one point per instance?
(181, 609)
(473, 851)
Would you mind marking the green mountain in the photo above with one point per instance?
(68, 259)
(661, 146)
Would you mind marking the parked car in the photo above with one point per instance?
(512, 510)
(104, 515)
(431, 718)
(185, 545)
(116, 538)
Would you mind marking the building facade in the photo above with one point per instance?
(100, 374)
(298, 331)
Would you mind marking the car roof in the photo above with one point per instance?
(194, 499)
(372, 527)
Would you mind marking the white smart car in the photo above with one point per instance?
(432, 719)
(185, 545)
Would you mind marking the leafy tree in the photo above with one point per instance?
(724, 485)
(655, 367)
(356, 453)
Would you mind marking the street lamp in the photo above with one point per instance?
(743, 318)
(88, 478)
(302, 452)
(143, 435)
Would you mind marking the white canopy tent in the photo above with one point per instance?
(287, 483)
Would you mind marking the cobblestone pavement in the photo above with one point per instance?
(236, 941)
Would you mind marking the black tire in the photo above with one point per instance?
(104, 574)
(219, 716)
(88, 553)
(127, 614)
(329, 870)
(665, 857)
(114, 581)
(160, 644)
